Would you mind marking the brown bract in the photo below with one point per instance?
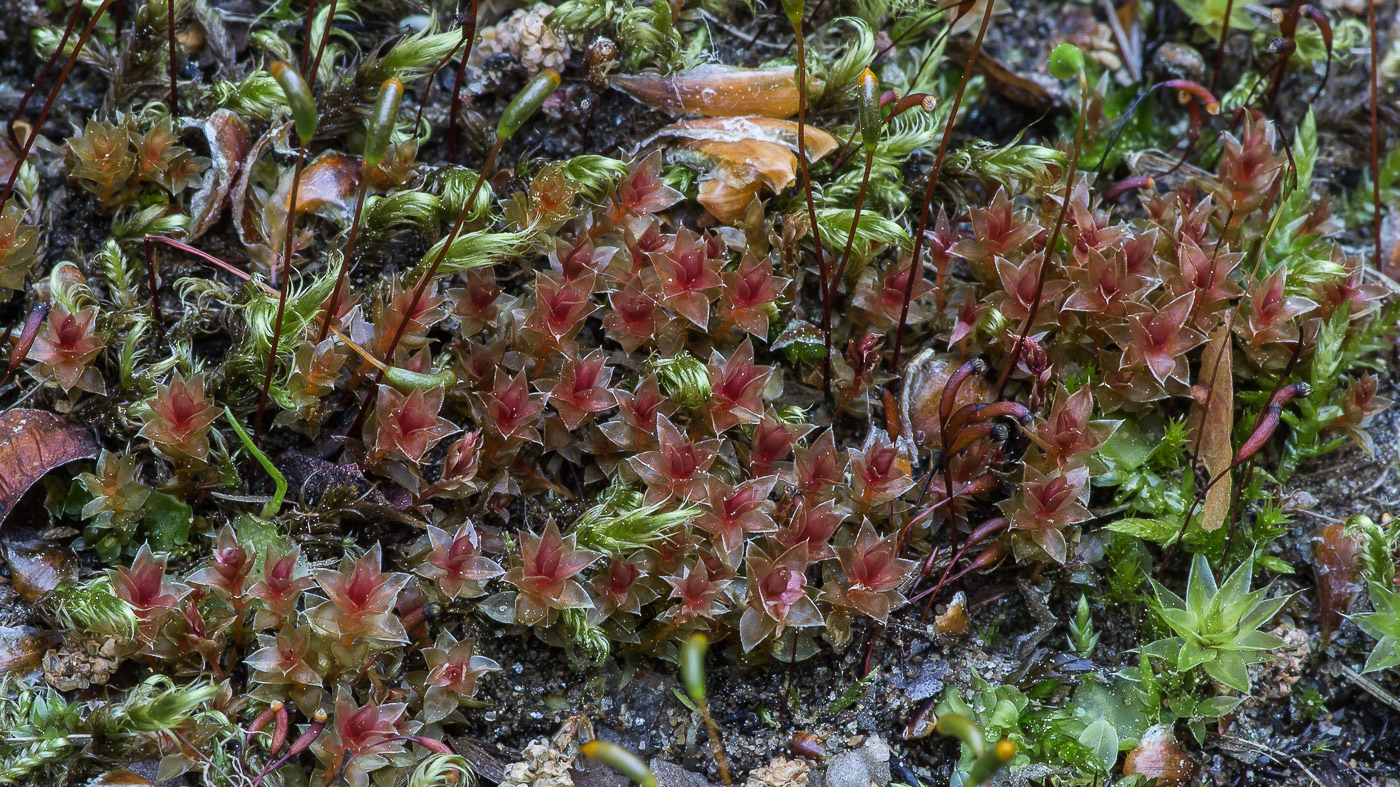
(747, 154)
(33, 442)
(720, 91)
(925, 379)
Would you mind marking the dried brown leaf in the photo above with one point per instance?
(720, 91)
(229, 145)
(1218, 413)
(33, 442)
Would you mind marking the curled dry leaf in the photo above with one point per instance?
(740, 129)
(954, 621)
(720, 91)
(1158, 756)
(328, 186)
(246, 202)
(36, 567)
(1217, 419)
(925, 379)
(747, 154)
(1334, 553)
(229, 145)
(21, 650)
(33, 442)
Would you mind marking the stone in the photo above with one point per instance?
(863, 767)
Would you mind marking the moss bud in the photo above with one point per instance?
(526, 103)
(299, 99)
(1066, 62)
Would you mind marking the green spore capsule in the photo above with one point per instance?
(793, 9)
(868, 90)
(526, 103)
(1066, 62)
(620, 760)
(382, 120)
(693, 666)
(410, 380)
(299, 99)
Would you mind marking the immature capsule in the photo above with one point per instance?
(299, 99)
(527, 102)
(693, 666)
(1066, 62)
(868, 87)
(793, 9)
(597, 62)
(620, 760)
(382, 120)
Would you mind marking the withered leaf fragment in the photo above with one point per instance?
(720, 91)
(746, 154)
(33, 442)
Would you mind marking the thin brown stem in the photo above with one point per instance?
(823, 270)
(320, 47)
(204, 255)
(306, 36)
(1220, 50)
(43, 74)
(170, 46)
(716, 744)
(1045, 256)
(468, 33)
(855, 222)
(345, 256)
(281, 293)
(154, 288)
(48, 104)
(1375, 135)
(427, 277)
(916, 264)
(432, 75)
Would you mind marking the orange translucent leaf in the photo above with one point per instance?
(720, 91)
(1216, 417)
(764, 129)
(328, 185)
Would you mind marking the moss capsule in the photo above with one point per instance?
(793, 10)
(868, 87)
(526, 103)
(299, 99)
(382, 120)
(1066, 62)
(693, 666)
(620, 760)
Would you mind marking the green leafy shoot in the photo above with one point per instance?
(622, 524)
(1216, 626)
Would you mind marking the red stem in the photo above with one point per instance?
(320, 47)
(154, 288)
(281, 292)
(823, 270)
(916, 265)
(345, 256)
(170, 43)
(48, 105)
(468, 33)
(1045, 258)
(1375, 136)
(43, 73)
(423, 282)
